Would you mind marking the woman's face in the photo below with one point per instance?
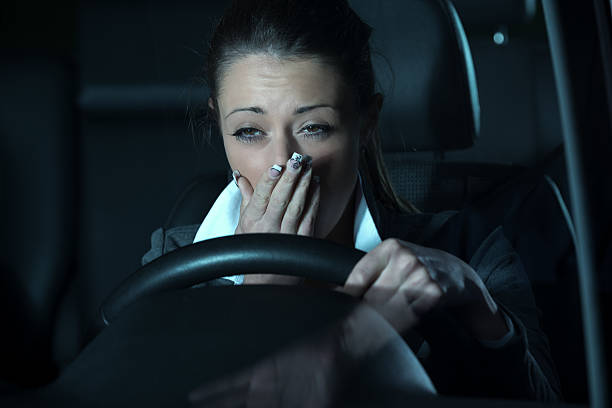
(270, 108)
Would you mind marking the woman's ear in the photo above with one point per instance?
(211, 104)
(371, 120)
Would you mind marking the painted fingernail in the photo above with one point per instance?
(275, 171)
(236, 175)
(307, 162)
(294, 163)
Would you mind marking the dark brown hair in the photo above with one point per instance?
(292, 29)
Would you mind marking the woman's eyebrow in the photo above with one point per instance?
(298, 111)
(254, 109)
(304, 109)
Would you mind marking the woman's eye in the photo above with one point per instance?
(248, 135)
(252, 135)
(316, 130)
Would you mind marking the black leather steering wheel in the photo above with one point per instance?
(284, 254)
(162, 327)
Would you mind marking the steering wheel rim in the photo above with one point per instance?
(293, 255)
(166, 345)
(165, 308)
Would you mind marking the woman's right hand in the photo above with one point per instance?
(281, 201)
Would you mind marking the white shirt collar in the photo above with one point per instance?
(223, 216)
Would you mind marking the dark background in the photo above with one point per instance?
(105, 136)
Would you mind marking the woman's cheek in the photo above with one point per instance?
(253, 174)
(250, 167)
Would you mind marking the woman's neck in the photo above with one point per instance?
(342, 233)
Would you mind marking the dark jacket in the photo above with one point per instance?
(456, 363)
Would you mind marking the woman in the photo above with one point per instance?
(292, 94)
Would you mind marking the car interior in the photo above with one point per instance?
(101, 145)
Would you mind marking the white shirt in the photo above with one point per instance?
(222, 220)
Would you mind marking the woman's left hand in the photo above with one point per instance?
(404, 282)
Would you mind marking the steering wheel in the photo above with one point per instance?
(165, 333)
(284, 254)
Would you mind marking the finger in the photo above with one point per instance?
(369, 267)
(412, 287)
(297, 203)
(400, 268)
(427, 298)
(418, 278)
(258, 202)
(246, 190)
(309, 219)
(415, 298)
(281, 195)
(399, 314)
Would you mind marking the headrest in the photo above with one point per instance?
(426, 73)
(496, 12)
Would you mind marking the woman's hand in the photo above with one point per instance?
(279, 201)
(404, 282)
(283, 201)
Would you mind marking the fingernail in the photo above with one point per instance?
(307, 162)
(275, 171)
(294, 163)
(236, 175)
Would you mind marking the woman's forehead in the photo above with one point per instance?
(271, 83)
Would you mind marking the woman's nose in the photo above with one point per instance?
(284, 148)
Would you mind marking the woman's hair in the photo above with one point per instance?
(328, 30)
